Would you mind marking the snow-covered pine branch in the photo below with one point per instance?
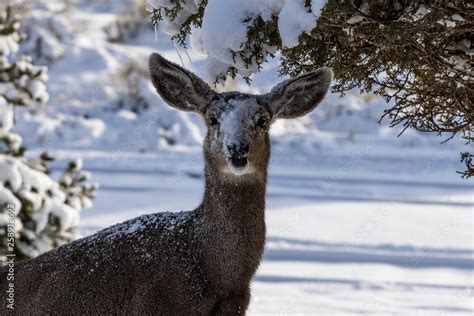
(236, 36)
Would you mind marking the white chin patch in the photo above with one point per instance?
(238, 166)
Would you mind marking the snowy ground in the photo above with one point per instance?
(359, 221)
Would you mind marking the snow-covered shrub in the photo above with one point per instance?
(131, 78)
(46, 212)
(37, 211)
(129, 24)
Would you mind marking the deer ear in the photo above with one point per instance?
(178, 87)
(299, 96)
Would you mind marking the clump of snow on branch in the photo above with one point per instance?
(224, 28)
(295, 19)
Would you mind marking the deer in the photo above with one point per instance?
(198, 262)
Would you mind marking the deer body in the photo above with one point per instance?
(170, 263)
(191, 263)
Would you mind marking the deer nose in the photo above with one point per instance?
(239, 150)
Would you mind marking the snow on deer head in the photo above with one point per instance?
(237, 140)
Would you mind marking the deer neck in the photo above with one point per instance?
(233, 225)
(234, 200)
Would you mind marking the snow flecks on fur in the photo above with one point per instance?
(236, 119)
(144, 230)
(166, 221)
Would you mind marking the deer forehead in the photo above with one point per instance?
(236, 117)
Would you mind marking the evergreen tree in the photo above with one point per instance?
(36, 212)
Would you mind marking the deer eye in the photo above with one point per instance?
(213, 120)
(262, 122)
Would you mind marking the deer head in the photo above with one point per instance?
(237, 141)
